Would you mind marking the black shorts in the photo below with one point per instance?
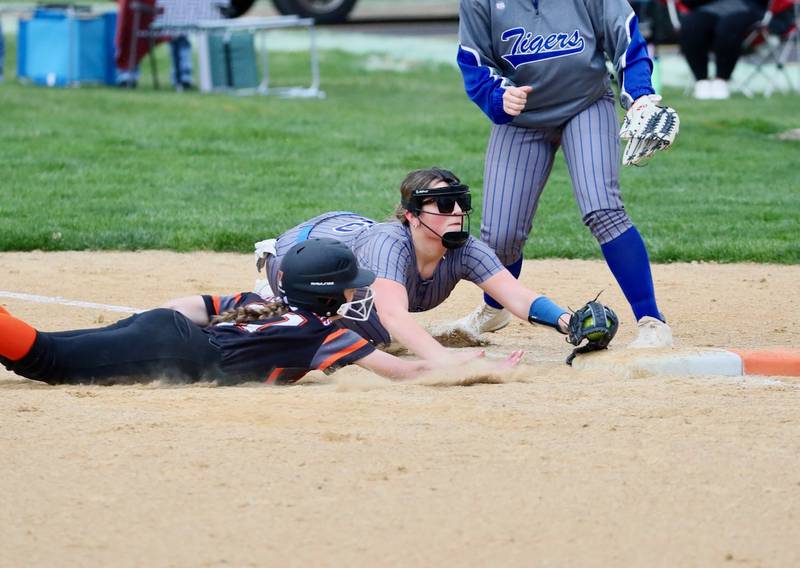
(157, 344)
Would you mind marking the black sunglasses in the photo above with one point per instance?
(446, 204)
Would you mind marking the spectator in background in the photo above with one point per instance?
(181, 52)
(180, 75)
(128, 63)
(718, 27)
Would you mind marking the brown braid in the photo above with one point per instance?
(252, 312)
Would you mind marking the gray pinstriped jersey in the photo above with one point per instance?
(556, 47)
(518, 164)
(388, 250)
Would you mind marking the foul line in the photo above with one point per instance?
(67, 302)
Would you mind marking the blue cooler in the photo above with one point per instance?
(59, 47)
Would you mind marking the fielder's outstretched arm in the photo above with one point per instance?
(519, 300)
(391, 303)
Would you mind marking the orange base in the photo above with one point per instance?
(783, 362)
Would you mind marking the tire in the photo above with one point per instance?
(239, 8)
(323, 11)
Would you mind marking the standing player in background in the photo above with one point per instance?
(537, 69)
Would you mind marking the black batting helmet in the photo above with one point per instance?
(316, 272)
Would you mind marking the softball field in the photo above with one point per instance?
(543, 466)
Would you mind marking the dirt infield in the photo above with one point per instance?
(544, 466)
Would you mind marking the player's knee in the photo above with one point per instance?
(509, 253)
(607, 224)
(506, 245)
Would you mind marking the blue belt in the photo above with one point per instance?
(304, 232)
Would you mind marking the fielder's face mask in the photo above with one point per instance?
(445, 199)
(360, 307)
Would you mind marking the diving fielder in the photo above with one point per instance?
(537, 69)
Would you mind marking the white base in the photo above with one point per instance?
(663, 362)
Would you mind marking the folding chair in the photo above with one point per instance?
(773, 42)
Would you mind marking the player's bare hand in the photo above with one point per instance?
(460, 358)
(514, 99)
(512, 360)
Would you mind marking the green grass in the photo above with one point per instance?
(98, 168)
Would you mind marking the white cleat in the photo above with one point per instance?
(484, 319)
(653, 333)
(466, 331)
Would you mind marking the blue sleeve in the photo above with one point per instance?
(483, 81)
(636, 70)
(484, 87)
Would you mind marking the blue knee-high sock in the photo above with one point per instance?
(514, 268)
(627, 258)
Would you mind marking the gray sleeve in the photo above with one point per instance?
(474, 31)
(480, 261)
(608, 20)
(616, 25)
(387, 256)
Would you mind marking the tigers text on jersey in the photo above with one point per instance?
(557, 47)
(281, 349)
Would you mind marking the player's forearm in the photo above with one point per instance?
(554, 316)
(405, 330)
(520, 301)
(484, 86)
(410, 369)
(393, 367)
(193, 307)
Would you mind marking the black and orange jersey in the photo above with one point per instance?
(281, 349)
(216, 305)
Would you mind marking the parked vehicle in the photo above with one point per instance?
(323, 11)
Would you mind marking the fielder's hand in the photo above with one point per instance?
(648, 127)
(514, 99)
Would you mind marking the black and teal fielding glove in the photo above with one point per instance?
(594, 322)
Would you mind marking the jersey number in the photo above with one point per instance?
(353, 225)
(287, 320)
